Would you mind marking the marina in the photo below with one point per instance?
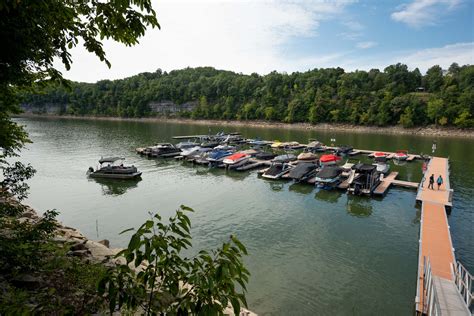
(286, 223)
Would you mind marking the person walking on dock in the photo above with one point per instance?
(439, 181)
(430, 186)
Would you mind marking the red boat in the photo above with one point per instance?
(329, 159)
(236, 159)
(401, 155)
(380, 154)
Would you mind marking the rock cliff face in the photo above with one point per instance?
(169, 107)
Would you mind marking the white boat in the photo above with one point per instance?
(189, 152)
(382, 165)
(236, 160)
(328, 176)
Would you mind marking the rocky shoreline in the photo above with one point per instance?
(90, 251)
(431, 131)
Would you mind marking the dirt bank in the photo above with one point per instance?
(432, 131)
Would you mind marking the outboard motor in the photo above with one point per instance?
(90, 170)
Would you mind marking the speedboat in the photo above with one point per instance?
(236, 160)
(380, 154)
(381, 164)
(327, 160)
(258, 142)
(315, 146)
(284, 158)
(277, 170)
(189, 152)
(364, 180)
(265, 155)
(343, 150)
(224, 147)
(210, 144)
(187, 144)
(217, 156)
(276, 144)
(328, 176)
(164, 150)
(292, 146)
(303, 171)
(113, 168)
(307, 156)
(401, 155)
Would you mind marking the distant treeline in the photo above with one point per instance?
(393, 96)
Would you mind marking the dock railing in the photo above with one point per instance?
(464, 284)
(429, 297)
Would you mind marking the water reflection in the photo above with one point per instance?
(358, 206)
(301, 188)
(331, 196)
(116, 187)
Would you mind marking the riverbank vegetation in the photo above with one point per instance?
(394, 96)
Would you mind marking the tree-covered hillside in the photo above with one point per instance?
(393, 96)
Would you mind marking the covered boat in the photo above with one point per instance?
(343, 150)
(365, 179)
(401, 155)
(265, 155)
(305, 156)
(277, 170)
(186, 144)
(315, 146)
(303, 171)
(164, 150)
(236, 160)
(326, 160)
(328, 176)
(284, 158)
(113, 168)
(380, 154)
(217, 156)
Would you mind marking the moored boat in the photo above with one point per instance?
(307, 156)
(113, 168)
(164, 150)
(380, 154)
(381, 164)
(328, 177)
(364, 180)
(329, 159)
(284, 158)
(217, 156)
(277, 170)
(236, 160)
(303, 171)
(401, 155)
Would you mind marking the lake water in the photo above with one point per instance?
(311, 252)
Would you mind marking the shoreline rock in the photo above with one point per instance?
(431, 131)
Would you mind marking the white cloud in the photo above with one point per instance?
(365, 45)
(423, 12)
(241, 36)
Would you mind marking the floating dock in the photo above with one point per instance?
(438, 286)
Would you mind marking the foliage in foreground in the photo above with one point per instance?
(158, 279)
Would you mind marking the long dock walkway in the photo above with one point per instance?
(436, 246)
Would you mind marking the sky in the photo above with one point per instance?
(288, 36)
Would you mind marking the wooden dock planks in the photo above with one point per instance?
(385, 183)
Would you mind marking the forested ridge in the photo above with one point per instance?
(393, 96)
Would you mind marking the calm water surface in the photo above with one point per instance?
(311, 252)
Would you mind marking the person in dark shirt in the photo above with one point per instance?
(430, 186)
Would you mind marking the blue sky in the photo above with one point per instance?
(262, 36)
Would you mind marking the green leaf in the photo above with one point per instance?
(126, 230)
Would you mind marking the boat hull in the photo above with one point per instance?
(123, 176)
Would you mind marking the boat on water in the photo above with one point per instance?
(236, 160)
(327, 160)
(113, 168)
(224, 147)
(258, 142)
(210, 144)
(190, 152)
(276, 144)
(303, 171)
(328, 177)
(186, 144)
(343, 150)
(218, 156)
(265, 155)
(364, 180)
(381, 164)
(315, 146)
(380, 154)
(401, 155)
(164, 150)
(307, 156)
(284, 158)
(277, 170)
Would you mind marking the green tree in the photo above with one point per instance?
(165, 282)
(434, 78)
(435, 109)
